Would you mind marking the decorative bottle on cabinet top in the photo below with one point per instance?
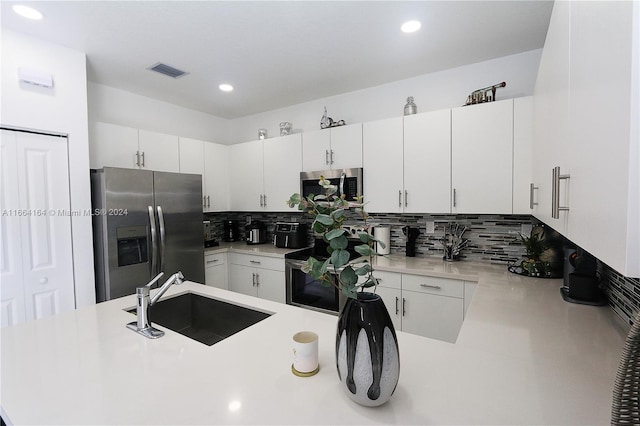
(410, 108)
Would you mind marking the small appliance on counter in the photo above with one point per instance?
(290, 235)
(383, 234)
(412, 236)
(256, 233)
(209, 238)
(231, 231)
(581, 281)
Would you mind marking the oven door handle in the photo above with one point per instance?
(342, 178)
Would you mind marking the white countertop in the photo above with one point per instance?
(523, 356)
(242, 247)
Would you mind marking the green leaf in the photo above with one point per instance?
(337, 214)
(350, 291)
(371, 282)
(339, 258)
(364, 270)
(324, 219)
(381, 244)
(364, 250)
(348, 277)
(365, 237)
(318, 227)
(334, 233)
(339, 243)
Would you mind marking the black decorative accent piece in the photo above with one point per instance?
(367, 356)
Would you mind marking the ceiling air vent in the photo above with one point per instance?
(167, 70)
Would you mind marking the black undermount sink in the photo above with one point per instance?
(203, 319)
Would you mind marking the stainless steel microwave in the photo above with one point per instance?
(348, 181)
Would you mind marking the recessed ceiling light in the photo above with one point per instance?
(226, 87)
(410, 26)
(27, 12)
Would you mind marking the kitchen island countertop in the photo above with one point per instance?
(523, 356)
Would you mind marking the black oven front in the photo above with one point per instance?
(304, 291)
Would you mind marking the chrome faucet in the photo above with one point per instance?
(143, 324)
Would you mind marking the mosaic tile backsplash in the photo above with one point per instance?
(492, 238)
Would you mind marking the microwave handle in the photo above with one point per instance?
(342, 177)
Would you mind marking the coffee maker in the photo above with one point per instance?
(231, 231)
(581, 281)
(412, 236)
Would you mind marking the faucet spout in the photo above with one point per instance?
(176, 279)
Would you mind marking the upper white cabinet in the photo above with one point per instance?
(382, 162)
(427, 162)
(264, 173)
(334, 148)
(587, 97)
(120, 146)
(525, 192)
(482, 158)
(211, 161)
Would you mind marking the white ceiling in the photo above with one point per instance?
(278, 54)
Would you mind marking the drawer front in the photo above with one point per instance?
(433, 285)
(263, 262)
(388, 279)
(215, 259)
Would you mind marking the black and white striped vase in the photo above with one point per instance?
(367, 350)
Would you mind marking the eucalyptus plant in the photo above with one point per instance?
(329, 214)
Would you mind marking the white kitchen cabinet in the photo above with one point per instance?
(282, 166)
(427, 162)
(211, 161)
(334, 148)
(111, 145)
(246, 176)
(215, 270)
(36, 256)
(382, 158)
(590, 129)
(258, 276)
(428, 306)
(524, 193)
(482, 158)
(159, 151)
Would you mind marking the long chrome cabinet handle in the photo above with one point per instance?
(253, 275)
(138, 158)
(399, 198)
(142, 159)
(255, 262)
(261, 202)
(532, 188)
(213, 261)
(162, 236)
(154, 249)
(556, 177)
(331, 157)
(208, 201)
(396, 306)
(404, 304)
(454, 197)
(437, 287)
(406, 198)
(264, 197)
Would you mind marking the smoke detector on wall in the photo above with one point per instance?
(167, 70)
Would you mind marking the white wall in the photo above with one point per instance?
(438, 90)
(116, 106)
(62, 109)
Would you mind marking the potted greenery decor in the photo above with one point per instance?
(363, 310)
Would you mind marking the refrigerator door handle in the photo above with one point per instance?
(162, 237)
(154, 250)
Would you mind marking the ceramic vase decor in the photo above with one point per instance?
(367, 355)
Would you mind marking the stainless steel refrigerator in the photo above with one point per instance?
(144, 223)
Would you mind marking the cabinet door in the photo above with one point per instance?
(242, 279)
(392, 299)
(271, 285)
(192, 161)
(427, 162)
(382, 161)
(246, 177)
(523, 195)
(111, 145)
(482, 153)
(315, 150)
(346, 147)
(551, 113)
(215, 271)
(216, 176)
(429, 315)
(160, 151)
(282, 166)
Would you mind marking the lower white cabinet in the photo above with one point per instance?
(428, 306)
(258, 276)
(215, 270)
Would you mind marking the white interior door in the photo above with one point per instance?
(12, 305)
(44, 223)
